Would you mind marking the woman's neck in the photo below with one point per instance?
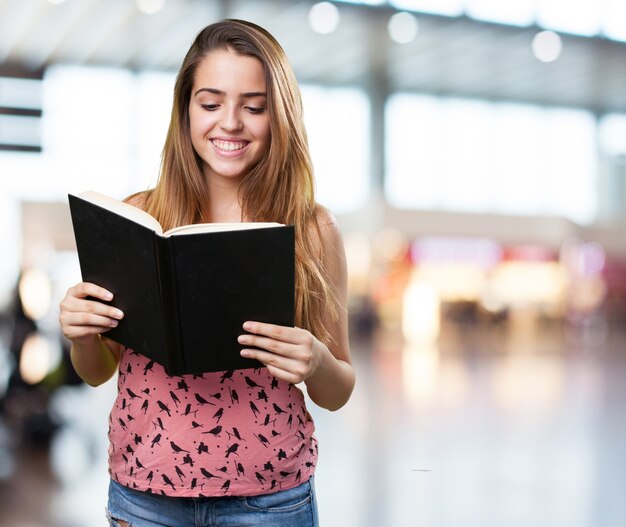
(223, 206)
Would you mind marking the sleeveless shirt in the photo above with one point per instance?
(232, 433)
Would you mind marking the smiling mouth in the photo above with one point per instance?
(229, 146)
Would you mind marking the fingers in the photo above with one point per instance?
(85, 289)
(289, 353)
(80, 317)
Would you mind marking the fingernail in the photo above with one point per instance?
(108, 296)
(113, 323)
(245, 353)
(118, 314)
(242, 338)
(247, 325)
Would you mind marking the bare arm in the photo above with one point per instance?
(94, 357)
(333, 381)
(83, 320)
(295, 355)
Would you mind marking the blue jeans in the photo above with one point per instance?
(295, 507)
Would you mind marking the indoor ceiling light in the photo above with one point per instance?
(402, 27)
(324, 17)
(150, 6)
(547, 46)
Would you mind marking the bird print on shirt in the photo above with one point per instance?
(238, 432)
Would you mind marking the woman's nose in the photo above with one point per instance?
(231, 120)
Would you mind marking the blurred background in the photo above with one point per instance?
(474, 152)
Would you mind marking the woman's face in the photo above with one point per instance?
(228, 114)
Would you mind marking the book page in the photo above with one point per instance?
(123, 209)
(218, 227)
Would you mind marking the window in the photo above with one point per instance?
(476, 156)
(337, 121)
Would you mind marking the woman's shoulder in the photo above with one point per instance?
(326, 232)
(138, 199)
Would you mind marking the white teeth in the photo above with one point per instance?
(228, 146)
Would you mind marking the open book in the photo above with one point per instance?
(186, 292)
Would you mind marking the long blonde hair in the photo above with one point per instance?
(279, 188)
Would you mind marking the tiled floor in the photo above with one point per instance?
(512, 426)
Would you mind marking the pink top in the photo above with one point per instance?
(234, 433)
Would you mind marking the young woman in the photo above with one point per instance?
(237, 447)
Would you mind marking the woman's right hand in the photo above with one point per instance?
(81, 318)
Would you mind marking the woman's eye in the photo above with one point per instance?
(209, 107)
(254, 109)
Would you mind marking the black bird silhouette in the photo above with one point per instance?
(281, 454)
(218, 415)
(262, 396)
(148, 367)
(284, 473)
(188, 411)
(156, 440)
(187, 460)
(259, 477)
(216, 395)
(180, 473)
(278, 409)
(158, 424)
(226, 486)
(223, 469)
(235, 434)
(202, 400)
(274, 383)
(251, 383)
(129, 449)
(234, 397)
(227, 375)
(144, 406)
(268, 466)
(264, 441)
(176, 448)
(214, 431)
(203, 448)
(149, 477)
(146, 391)
(164, 408)
(196, 425)
(174, 398)
(138, 463)
(239, 469)
(168, 481)
(290, 420)
(298, 475)
(131, 393)
(137, 439)
(267, 420)
(232, 449)
(207, 474)
(182, 385)
(254, 409)
(122, 423)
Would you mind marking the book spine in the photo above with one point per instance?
(169, 306)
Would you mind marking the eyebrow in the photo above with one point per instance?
(247, 94)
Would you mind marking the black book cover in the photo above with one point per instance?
(185, 297)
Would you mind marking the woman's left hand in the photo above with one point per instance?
(290, 354)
